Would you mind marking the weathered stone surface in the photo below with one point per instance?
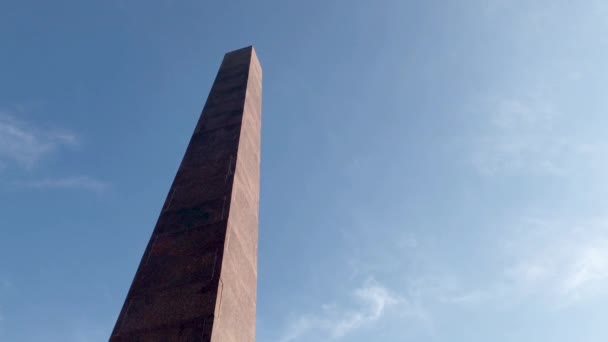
(197, 278)
(239, 268)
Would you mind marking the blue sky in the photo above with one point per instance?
(431, 170)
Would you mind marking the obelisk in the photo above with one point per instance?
(197, 278)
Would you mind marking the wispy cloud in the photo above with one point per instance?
(370, 303)
(76, 183)
(466, 298)
(566, 262)
(556, 263)
(526, 137)
(25, 144)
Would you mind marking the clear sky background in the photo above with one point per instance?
(431, 170)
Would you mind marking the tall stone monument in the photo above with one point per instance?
(197, 278)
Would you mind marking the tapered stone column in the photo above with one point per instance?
(197, 278)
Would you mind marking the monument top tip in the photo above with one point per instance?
(243, 49)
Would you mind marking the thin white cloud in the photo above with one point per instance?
(25, 144)
(557, 263)
(471, 297)
(526, 137)
(76, 183)
(370, 303)
(566, 262)
(374, 299)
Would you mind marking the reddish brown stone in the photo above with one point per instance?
(197, 278)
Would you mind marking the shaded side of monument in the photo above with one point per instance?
(197, 278)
